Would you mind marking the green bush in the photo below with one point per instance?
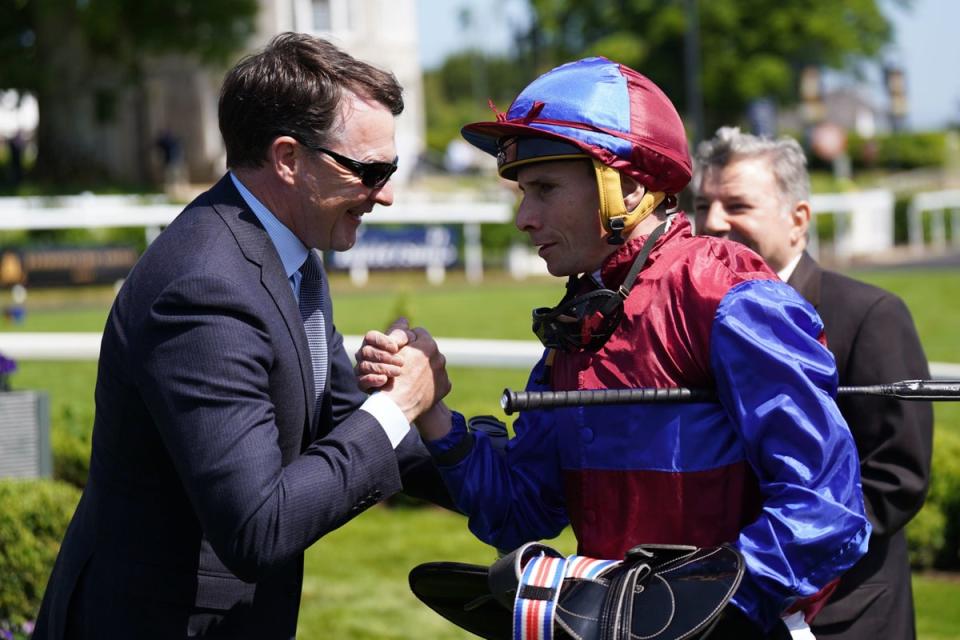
(71, 437)
(903, 150)
(71, 456)
(934, 535)
(34, 515)
(901, 232)
(925, 536)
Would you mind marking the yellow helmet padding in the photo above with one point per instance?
(611, 199)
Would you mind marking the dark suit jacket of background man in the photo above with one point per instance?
(872, 335)
(210, 474)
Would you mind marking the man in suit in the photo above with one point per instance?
(230, 433)
(756, 191)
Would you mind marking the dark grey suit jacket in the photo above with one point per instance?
(209, 474)
(872, 336)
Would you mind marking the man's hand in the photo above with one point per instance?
(378, 362)
(405, 364)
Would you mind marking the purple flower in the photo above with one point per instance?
(28, 627)
(7, 366)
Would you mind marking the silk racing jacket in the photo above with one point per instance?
(771, 468)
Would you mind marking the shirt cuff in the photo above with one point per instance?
(452, 447)
(798, 627)
(389, 415)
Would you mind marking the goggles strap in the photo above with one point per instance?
(613, 213)
(641, 260)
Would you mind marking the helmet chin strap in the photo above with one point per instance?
(613, 212)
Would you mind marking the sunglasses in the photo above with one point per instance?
(373, 175)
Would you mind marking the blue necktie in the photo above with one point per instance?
(311, 303)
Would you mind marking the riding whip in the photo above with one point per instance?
(513, 401)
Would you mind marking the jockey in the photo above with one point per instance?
(599, 153)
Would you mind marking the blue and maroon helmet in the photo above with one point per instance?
(591, 108)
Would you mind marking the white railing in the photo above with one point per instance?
(508, 354)
(863, 222)
(460, 352)
(937, 203)
(90, 211)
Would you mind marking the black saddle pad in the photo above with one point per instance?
(460, 593)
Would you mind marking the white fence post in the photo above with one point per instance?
(472, 252)
(863, 221)
(937, 203)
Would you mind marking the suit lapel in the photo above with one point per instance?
(806, 279)
(257, 247)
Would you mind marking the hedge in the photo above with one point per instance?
(934, 534)
(71, 456)
(34, 515)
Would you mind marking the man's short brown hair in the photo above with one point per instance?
(294, 87)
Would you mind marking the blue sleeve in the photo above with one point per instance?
(511, 495)
(778, 382)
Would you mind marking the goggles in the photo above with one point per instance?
(586, 321)
(579, 322)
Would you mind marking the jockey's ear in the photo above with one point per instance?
(633, 192)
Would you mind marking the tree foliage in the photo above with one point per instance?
(749, 48)
(119, 34)
(460, 90)
(75, 54)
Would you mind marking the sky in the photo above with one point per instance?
(926, 46)
(929, 48)
(442, 31)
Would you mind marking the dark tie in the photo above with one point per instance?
(311, 304)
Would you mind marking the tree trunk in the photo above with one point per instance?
(66, 132)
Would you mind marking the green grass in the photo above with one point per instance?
(933, 297)
(935, 598)
(356, 577)
(355, 584)
(499, 309)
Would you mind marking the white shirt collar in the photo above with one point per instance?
(788, 270)
(292, 252)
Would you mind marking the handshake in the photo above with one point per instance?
(406, 365)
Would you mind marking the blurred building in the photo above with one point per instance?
(851, 107)
(180, 101)
(854, 109)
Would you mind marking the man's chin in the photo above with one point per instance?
(343, 244)
(559, 270)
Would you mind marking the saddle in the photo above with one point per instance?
(657, 592)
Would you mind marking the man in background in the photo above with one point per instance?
(757, 191)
